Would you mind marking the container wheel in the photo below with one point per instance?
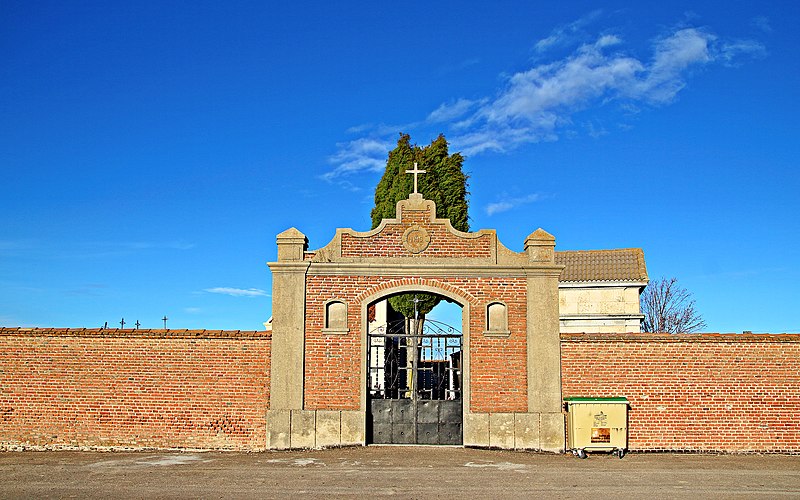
(620, 453)
(582, 454)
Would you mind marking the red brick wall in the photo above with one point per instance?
(389, 242)
(334, 364)
(145, 388)
(693, 392)
(152, 388)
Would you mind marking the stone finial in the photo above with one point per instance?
(540, 246)
(291, 245)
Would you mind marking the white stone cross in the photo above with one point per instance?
(415, 171)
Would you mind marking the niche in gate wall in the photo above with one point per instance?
(335, 317)
(497, 320)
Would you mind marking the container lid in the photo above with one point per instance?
(596, 400)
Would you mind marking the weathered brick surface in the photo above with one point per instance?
(143, 388)
(198, 389)
(389, 241)
(694, 392)
(334, 363)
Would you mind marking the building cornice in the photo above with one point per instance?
(429, 269)
(288, 266)
(601, 284)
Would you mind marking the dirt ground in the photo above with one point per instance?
(381, 471)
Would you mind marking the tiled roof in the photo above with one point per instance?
(623, 264)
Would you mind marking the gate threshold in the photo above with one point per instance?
(412, 445)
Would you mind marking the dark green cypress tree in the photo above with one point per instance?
(444, 182)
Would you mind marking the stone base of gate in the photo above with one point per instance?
(520, 431)
(314, 428)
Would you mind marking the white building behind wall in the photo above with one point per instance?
(598, 291)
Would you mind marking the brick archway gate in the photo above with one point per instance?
(511, 368)
(414, 376)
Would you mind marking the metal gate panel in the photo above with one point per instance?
(381, 415)
(427, 434)
(402, 421)
(450, 418)
(428, 412)
(428, 422)
(415, 386)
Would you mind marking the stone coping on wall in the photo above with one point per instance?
(682, 337)
(136, 333)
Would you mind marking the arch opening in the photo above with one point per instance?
(415, 366)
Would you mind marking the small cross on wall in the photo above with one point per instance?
(415, 171)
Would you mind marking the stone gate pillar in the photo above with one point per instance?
(288, 332)
(544, 340)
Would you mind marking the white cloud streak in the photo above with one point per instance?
(449, 112)
(511, 203)
(762, 23)
(363, 154)
(566, 34)
(538, 104)
(238, 292)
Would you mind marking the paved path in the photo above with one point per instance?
(408, 472)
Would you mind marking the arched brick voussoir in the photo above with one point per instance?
(416, 285)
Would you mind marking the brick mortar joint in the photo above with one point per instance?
(711, 338)
(114, 333)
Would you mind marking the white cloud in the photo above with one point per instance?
(732, 53)
(511, 203)
(673, 55)
(536, 102)
(595, 130)
(238, 292)
(546, 43)
(500, 206)
(364, 154)
(539, 103)
(762, 23)
(449, 112)
(567, 34)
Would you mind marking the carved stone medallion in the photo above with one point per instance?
(416, 239)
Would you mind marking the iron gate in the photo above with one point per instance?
(415, 387)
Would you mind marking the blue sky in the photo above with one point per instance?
(151, 151)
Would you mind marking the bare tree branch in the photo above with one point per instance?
(668, 308)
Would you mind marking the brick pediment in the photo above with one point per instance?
(415, 235)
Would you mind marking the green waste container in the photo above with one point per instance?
(597, 424)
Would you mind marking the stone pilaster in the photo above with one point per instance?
(543, 339)
(288, 322)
